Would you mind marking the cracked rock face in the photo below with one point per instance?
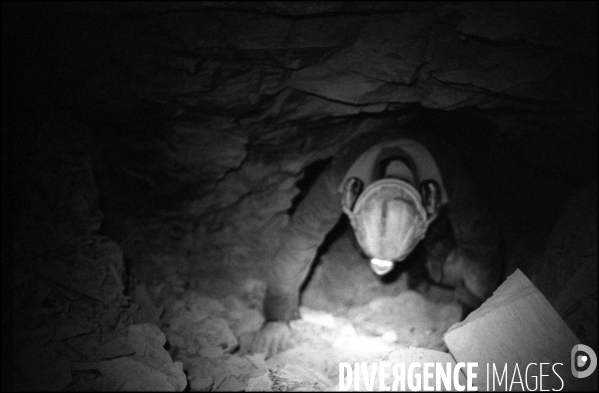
(160, 148)
(570, 264)
(239, 99)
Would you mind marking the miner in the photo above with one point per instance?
(399, 187)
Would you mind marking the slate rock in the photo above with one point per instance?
(148, 342)
(201, 384)
(214, 331)
(261, 383)
(126, 374)
(231, 384)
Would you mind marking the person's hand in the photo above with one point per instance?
(272, 338)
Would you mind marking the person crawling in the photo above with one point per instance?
(399, 187)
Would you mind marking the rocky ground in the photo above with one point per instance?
(211, 337)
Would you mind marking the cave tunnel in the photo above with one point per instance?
(157, 157)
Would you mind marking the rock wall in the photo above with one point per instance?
(71, 325)
(210, 113)
(570, 264)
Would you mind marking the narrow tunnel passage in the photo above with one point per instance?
(158, 161)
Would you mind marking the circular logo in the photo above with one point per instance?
(583, 361)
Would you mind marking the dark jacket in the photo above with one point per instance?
(465, 223)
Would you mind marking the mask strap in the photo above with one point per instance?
(351, 190)
(430, 194)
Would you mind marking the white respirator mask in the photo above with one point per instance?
(389, 218)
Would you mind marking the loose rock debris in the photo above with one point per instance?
(79, 355)
(75, 330)
(207, 336)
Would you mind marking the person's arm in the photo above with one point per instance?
(315, 216)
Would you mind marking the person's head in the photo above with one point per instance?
(390, 216)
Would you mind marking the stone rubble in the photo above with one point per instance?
(75, 329)
(205, 336)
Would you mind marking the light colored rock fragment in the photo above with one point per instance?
(231, 384)
(208, 305)
(148, 342)
(212, 352)
(260, 384)
(200, 383)
(203, 367)
(245, 321)
(318, 317)
(214, 331)
(516, 327)
(126, 374)
(259, 365)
